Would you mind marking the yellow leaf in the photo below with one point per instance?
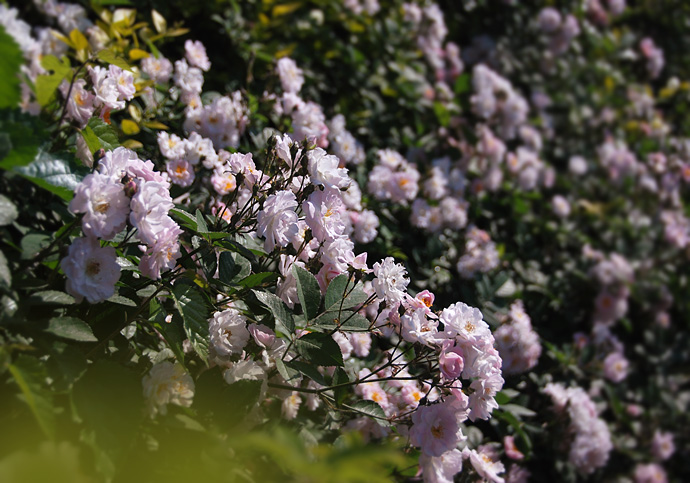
(159, 22)
(136, 54)
(264, 19)
(176, 32)
(78, 40)
(609, 83)
(288, 8)
(59, 36)
(130, 127)
(155, 125)
(286, 51)
(132, 144)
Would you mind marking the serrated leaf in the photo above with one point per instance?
(192, 307)
(105, 133)
(283, 317)
(320, 349)
(109, 57)
(54, 173)
(308, 370)
(172, 330)
(10, 62)
(256, 279)
(50, 297)
(8, 211)
(308, 291)
(71, 328)
(346, 321)
(227, 269)
(288, 374)
(120, 300)
(342, 293)
(30, 375)
(371, 409)
(185, 218)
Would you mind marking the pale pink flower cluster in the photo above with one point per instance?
(527, 168)
(343, 143)
(393, 178)
(650, 473)
(223, 121)
(111, 87)
(159, 69)
(517, 342)
(560, 32)
(480, 255)
(496, 101)
(591, 444)
(662, 445)
(617, 159)
(654, 57)
(291, 76)
(124, 188)
(228, 334)
(167, 383)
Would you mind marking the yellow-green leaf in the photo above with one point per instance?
(137, 54)
(130, 127)
(78, 40)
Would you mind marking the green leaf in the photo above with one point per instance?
(518, 410)
(341, 289)
(186, 219)
(66, 365)
(340, 377)
(109, 57)
(71, 328)
(98, 134)
(10, 61)
(209, 261)
(462, 84)
(32, 243)
(50, 297)
(200, 222)
(8, 211)
(120, 300)
(308, 370)
(320, 349)
(30, 375)
(47, 85)
(54, 173)
(108, 400)
(194, 311)
(371, 409)
(308, 291)
(227, 269)
(288, 374)
(256, 279)
(284, 321)
(21, 137)
(346, 321)
(5, 273)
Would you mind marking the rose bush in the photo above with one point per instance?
(348, 241)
